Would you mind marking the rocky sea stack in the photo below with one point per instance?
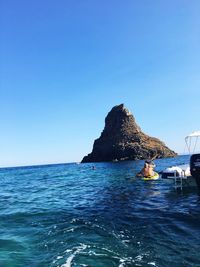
(122, 139)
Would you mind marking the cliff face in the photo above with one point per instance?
(122, 139)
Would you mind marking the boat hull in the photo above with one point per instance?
(188, 181)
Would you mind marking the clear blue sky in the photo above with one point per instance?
(65, 64)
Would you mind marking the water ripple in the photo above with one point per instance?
(74, 215)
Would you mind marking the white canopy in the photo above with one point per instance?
(193, 134)
(192, 143)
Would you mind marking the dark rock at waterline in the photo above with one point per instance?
(123, 139)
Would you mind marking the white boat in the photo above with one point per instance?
(187, 175)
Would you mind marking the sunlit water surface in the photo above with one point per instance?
(75, 215)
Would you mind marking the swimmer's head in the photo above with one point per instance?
(150, 162)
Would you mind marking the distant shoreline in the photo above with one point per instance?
(57, 164)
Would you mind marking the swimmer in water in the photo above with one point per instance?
(148, 169)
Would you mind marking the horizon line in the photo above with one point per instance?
(61, 163)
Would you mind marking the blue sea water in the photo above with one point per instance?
(75, 215)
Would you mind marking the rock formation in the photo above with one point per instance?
(122, 139)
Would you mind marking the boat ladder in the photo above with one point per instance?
(178, 180)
